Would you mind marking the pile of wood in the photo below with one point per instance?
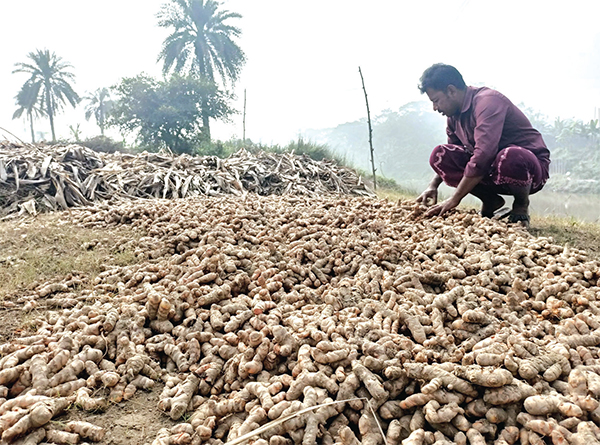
(50, 177)
(356, 317)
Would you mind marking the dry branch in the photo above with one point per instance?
(41, 177)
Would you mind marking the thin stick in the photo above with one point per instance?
(27, 144)
(377, 422)
(370, 131)
(276, 422)
(16, 137)
(244, 120)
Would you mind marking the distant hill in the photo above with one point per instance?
(402, 140)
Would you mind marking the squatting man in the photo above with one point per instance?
(492, 148)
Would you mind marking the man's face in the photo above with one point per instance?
(444, 102)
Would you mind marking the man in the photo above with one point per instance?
(492, 148)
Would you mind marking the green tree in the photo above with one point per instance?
(167, 113)
(98, 105)
(578, 146)
(28, 102)
(201, 42)
(49, 77)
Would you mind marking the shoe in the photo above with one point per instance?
(501, 213)
(520, 220)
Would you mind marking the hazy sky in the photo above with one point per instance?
(303, 56)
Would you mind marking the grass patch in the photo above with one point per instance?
(575, 233)
(394, 194)
(34, 251)
(579, 234)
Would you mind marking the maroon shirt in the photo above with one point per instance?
(489, 122)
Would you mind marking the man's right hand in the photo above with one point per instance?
(428, 197)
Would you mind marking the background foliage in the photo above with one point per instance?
(166, 114)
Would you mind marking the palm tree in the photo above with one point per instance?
(28, 101)
(201, 43)
(99, 104)
(50, 78)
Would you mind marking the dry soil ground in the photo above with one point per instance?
(36, 250)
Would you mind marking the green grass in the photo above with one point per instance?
(395, 195)
(33, 251)
(315, 151)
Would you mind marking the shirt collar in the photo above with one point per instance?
(468, 100)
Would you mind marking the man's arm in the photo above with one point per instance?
(490, 114)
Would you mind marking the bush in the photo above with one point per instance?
(216, 148)
(568, 184)
(385, 184)
(103, 144)
(318, 152)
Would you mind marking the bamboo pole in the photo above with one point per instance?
(370, 131)
(244, 120)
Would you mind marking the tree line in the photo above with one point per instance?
(201, 61)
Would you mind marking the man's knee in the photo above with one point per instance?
(449, 162)
(437, 156)
(519, 167)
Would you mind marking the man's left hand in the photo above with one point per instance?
(443, 207)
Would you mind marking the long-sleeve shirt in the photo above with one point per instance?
(489, 122)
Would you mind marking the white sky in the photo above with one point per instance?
(303, 56)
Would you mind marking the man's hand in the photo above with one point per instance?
(465, 185)
(442, 208)
(428, 197)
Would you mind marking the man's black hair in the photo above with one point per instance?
(439, 76)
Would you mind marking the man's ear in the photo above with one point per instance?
(451, 91)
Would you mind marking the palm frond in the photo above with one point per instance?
(200, 25)
(49, 84)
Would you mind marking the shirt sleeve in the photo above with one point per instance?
(489, 113)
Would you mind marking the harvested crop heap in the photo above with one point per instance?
(51, 177)
(459, 329)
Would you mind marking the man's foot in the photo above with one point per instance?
(490, 205)
(520, 207)
(501, 213)
(520, 220)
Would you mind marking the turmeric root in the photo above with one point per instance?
(86, 430)
(485, 376)
(547, 404)
(40, 414)
(88, 403)
(63, 437)
(181, 400)
(434, 413)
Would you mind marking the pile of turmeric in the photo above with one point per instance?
(355, 317)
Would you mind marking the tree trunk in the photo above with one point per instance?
(101, 121)
(203, 75)
(50, 112)
(205, 120)
(30, 116)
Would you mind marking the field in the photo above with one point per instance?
(345, 259)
